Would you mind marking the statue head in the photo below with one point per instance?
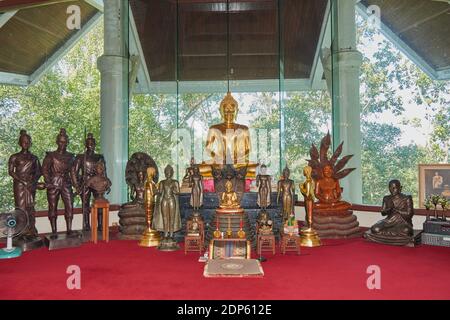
(90, 142)
(395, 187)
(263, 169)
(168, 171)
(100, 168)
(62, 140)
(196, 170)
(327, 171)
(228, 186)
(229, 108)
(307, 171)
(286, 172)
(24, 140)
(140, 176)
(150, 173)
(192, 161)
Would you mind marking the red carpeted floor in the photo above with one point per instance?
(122, 270)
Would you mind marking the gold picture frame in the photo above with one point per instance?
(428, 184)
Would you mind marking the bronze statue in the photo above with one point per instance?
(25, 169)
(132, 215)
(333, 217)
(137, 190)
(99, 183)
(196, 182)
(265, 224)
(56, 171)
(308, 236)
(82, 170)
(150, 237)
(189, 172)
(263, 182)
(397, 227)
(167, 212)
(327, 173)
(286, 189)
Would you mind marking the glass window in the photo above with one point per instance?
(405, 107)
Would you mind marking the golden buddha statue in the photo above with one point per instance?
(228, 142)
(229, 202)
(328, 192)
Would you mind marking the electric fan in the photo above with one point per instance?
(12, 224)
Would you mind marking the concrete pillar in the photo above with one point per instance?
(346, 64)
(113, 66)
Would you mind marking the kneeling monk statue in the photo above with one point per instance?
(397, 227)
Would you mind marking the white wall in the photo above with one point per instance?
(43, 224)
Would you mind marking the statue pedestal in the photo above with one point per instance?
(133, 222)
(28, 243)
(309, 238)
(408, 241)
(62, 240)
(336, 224)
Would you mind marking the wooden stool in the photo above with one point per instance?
(290, 242)
(104, 205)
(194, 242)
(266, 242)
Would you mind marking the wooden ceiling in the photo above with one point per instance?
(32, 35)
(424, 25)
(256, 38)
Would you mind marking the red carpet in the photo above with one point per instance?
(122, 270)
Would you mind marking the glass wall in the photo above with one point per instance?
(266, 53)
(405, 93)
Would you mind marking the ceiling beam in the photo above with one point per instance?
(324, 41)
(98, 4)
(143, 74)
(23, 4)
(14, 79)
(58, 54)
(6, 16)
(269, 85)
(401, 45)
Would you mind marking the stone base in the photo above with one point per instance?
(133, 223)
(28, 243)
(168, 244)
(336, 225)
(62, 241)
(412, 241)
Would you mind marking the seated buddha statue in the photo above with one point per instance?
(328, 192)
(397, 227)
(228, 142)
(229, 202)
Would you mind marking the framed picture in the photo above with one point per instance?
(433, 179)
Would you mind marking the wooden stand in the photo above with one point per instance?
(266, 243)
(194, 242)
(290, 242)
(104, 205)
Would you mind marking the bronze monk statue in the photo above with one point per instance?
(56, 171)
(397, 227)
(25, 169)
(286, 189)
(82, 170)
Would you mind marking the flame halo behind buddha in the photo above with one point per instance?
(228, 142)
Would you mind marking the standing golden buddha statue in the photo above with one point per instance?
(308, 236)
(228, 142)
(150, 237)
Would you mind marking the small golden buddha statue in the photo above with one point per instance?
(229, 199)
(228, 142)
(328, 192)
(229, 202)
(308, 236)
